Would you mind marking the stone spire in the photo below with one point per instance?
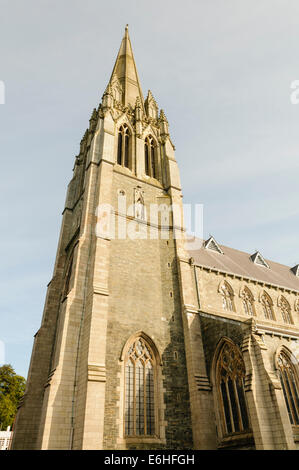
(125, 72)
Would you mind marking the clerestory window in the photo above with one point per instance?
(248, 302)
(227, 297)
(285, 309)
(267, 305)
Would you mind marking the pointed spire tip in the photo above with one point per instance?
(124, 75)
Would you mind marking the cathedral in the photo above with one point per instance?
(149, 340)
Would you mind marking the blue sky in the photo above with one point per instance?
(222, 73)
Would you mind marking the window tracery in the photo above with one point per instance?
(248, 302)
(227, 297)
(267, 305)
(140, 397)
(290, 385)
(230, 373)
(285, 310)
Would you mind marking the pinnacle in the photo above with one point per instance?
(162, 116)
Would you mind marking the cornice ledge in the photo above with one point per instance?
(246, 278)
(183, 259)
(277, 330)
(191, 309)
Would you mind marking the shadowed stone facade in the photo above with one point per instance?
(132, 283)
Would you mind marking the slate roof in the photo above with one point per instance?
(240, 263)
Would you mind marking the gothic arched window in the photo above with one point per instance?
(285, 309)
(248, 301)
(140, 372)
(150, 157)
(290, 385)
(230, 373)
(267, 305)
(227, 297)
(123, 146)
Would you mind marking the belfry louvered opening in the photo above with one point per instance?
(123, 146)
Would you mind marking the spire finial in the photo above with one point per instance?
(125, 73)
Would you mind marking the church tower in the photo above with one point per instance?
(117, 362)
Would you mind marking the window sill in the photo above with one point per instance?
(244, 439)
(123, 169)
(151, 179)
(142, 440)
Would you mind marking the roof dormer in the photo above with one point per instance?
(212, 245)
(258, 259)
(295, 270)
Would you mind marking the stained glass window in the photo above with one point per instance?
(290, 386)
(139, 390)
(230, 373)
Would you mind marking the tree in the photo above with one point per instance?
(12, 388)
